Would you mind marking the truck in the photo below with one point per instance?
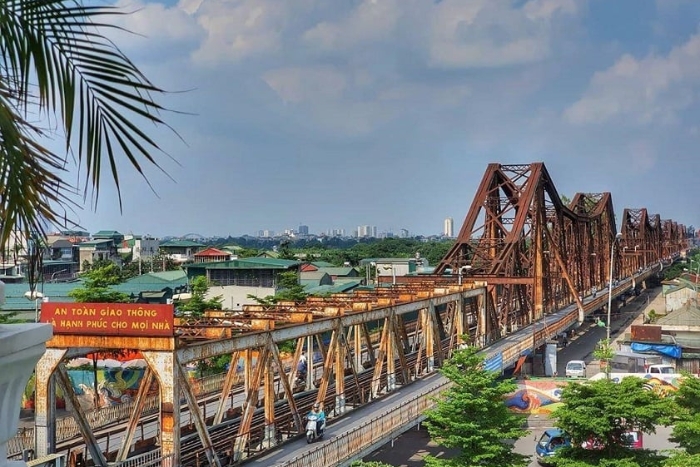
(632, 362)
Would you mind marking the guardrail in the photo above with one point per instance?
(67, 427)
(148, 459)
(346, 446)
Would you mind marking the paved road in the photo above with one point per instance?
(410, 449)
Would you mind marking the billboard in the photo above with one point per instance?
(109, 319)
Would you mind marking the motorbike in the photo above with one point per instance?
(311, 423)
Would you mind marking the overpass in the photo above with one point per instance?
(521, 271)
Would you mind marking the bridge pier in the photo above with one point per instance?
(45, 401)
(164, 365)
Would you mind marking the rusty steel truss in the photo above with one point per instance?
(367, 343)
(538, 254)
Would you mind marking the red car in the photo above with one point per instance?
(633, 439)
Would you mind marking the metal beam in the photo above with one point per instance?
(196, 352)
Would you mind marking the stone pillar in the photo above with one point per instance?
(21, 346)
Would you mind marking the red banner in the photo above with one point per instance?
(109, 319)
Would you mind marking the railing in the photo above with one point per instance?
(344, 447)
(150, 458)
(67, 427)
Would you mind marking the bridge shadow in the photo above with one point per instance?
(409, 450)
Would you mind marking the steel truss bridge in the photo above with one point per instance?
(520, 272)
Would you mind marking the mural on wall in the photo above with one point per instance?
(543, 396)
(117, 382)
(114, 385)
(538, 396)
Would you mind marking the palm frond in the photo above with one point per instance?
(54, 56)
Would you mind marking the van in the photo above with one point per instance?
(576, 369)
(632, 362)
(549, 443)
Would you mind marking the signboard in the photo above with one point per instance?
(109, 319)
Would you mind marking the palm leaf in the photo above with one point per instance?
(55, 60)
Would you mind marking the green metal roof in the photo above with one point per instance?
(107, 233)
(322, 264)
(167, 278)
(58, 291)
(102, 241)
(331, 289)
(339, 271)
(180, 244)
(246, 263)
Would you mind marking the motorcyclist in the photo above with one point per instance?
(320, 418)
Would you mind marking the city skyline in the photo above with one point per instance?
(341, 113)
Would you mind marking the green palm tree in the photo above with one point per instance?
(56, 63)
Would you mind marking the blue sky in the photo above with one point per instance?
(386, 112)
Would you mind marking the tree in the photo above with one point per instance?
(601, 412)
(686, 430)
(482, 436)
(97, 284)
(57, 62)
(604, 352)
(198, 304)
(288, 290)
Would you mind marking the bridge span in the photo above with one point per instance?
(522, 270)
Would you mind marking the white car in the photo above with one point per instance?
(576, 369)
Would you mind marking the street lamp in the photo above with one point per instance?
(53, 275)
(610, 282)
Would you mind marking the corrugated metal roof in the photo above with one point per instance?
(58, 291)
(685, 316)
(331, 289)
(247, 263)
(180, 244)
(323, 264)
(338, 271)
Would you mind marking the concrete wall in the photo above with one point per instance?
(234, 297)
(678, 299)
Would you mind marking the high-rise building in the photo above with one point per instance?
(304, 229)
(366, 231)
(448, 228)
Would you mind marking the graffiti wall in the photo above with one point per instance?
(543, 396)
(536, 396)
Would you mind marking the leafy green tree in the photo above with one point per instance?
(96, 285)
(198, 304)
(288, 290)
(604, 352)
(472, 417)
(686, 430)
(8, 317)
(57, 61)
(682, 459)
(602, 411)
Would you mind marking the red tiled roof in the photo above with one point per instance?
(211, 251)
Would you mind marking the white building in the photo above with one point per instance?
(448, 228)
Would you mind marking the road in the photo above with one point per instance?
(410, 449)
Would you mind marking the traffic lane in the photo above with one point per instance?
(657, 441)
(291, 449)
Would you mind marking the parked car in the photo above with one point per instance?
(550, 442)
(633, 440)
(576, 369)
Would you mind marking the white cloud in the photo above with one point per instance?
(371, 21)
(297, 84)
(491, 33)
(643, 91)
